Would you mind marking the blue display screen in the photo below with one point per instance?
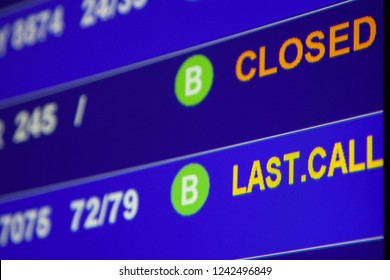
(191, 129)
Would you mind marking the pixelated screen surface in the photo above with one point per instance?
(146, 129)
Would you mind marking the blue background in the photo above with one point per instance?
(317, 212)
(134, 118)
(161, 27)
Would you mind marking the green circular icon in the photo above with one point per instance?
(194, 80)
(190, 189)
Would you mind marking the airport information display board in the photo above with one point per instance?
(178, 129)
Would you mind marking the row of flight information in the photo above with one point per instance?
(136, 129)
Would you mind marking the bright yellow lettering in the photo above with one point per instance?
(237, 190)
(313, 173)
(354, 167)
(371, 163)
(291, 157)
(256, 177)
(338, 160)
(272, 165)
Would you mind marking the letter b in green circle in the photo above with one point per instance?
(194, 80)
(190, 189)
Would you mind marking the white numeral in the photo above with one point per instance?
(41, 121)
(49, 118)
(23, 226)
(42, 19)
(124, 6)
(36, 27)
(139, 4)
(44, 223)
(21, 120)
(116, 197)
(30, 31)
(78, 207)
(31, 218)
(17, 228)
(103, 10)
(17, 34)
(95, 10)
(56, 23)
(88, 18)
(93, 206)
(131, 204)
(5, 221)
(97, 209)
